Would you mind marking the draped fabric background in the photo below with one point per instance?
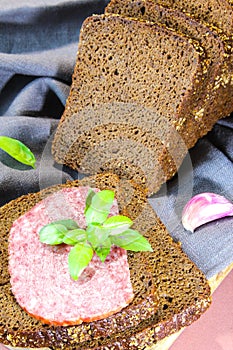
(38, 45)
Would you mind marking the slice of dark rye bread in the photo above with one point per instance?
(132, 104)
(182, 290)
(217, 89)
(217, 15)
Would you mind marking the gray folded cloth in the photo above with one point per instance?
(38, 45)
(207, 168)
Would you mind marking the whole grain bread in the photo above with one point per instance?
(167, 274)
(217, 14)
(132, 104)
(217, 90)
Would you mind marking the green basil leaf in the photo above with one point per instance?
(131, 240)
(96, 234)
(90, 195)
(74, 236)
(99, 207)
(79, 257)
(104, 249)
(55, 232)
(17, 150)
(68, 223)
(117, 224)
(52, 234)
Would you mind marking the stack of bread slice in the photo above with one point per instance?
(149, 81)
(212, 13)
(217, 80)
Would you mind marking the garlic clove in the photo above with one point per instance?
(203, 208)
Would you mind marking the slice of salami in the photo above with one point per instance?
(40, 277)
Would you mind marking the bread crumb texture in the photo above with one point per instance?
(143, 74)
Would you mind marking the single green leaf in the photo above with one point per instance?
(90, 195)
(52, 234)
(17, 150)
(96, 234)
(97, 210)
(104, 249)
(131, 240)
(79, 257)
(68, 223)
(117, 224)
(74, 236)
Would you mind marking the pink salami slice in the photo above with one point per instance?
(40, 278)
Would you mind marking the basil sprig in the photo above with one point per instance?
(100, 234)
(17, 150)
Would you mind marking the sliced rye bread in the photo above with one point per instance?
(218, 16)
(131, 107)
(217, 95)
(167, 273)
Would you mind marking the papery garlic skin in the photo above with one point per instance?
(203, 208)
